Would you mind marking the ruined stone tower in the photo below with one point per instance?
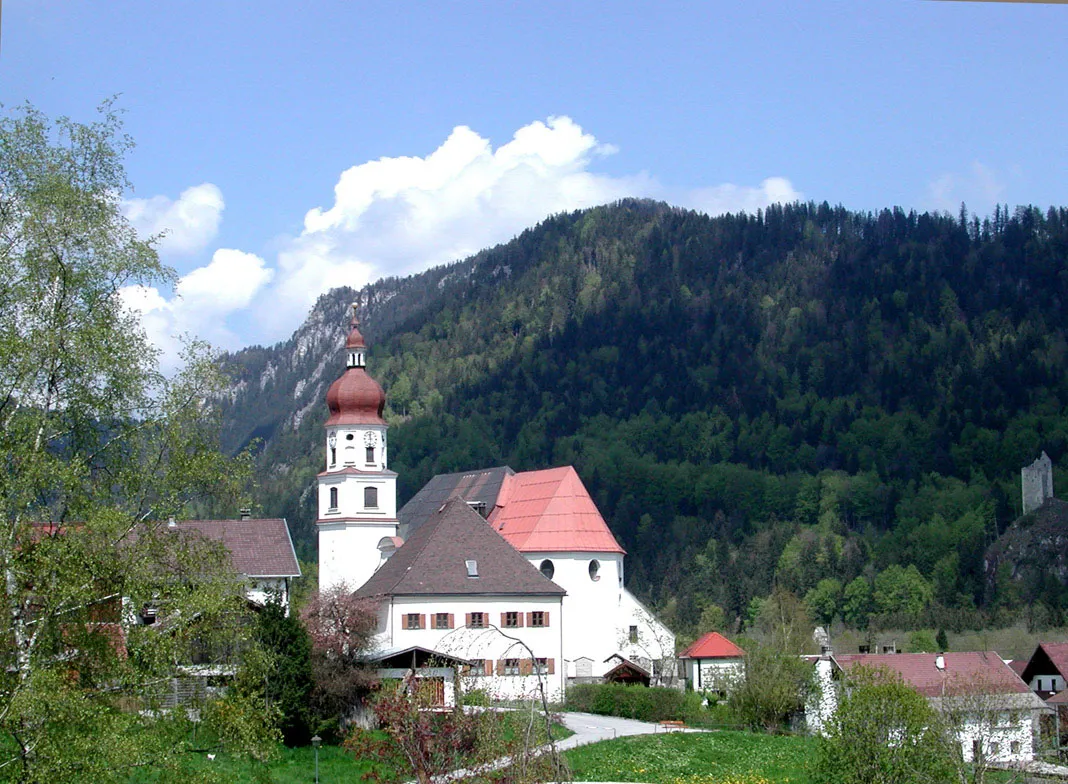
(1037, 481)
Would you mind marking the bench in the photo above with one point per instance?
(672, 725)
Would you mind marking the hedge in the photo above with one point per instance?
(644, 703)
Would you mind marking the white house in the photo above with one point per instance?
(994, 712)
(713, 663)
(549, 589)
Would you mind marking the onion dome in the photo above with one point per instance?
(355, 398)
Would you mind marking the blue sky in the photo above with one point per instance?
(482, 118)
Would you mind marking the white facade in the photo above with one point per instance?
(357, 504)
(445, 624)
(718, 675)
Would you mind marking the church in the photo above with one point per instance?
(515, 573)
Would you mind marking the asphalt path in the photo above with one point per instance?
(591, 728)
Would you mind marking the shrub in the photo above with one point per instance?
(478, 697)
(635, 702)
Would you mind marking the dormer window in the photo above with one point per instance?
(472, 568)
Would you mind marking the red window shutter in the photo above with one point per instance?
(552, 666)
(422, 621)
(545, 620)
(530, 619)
(500, 666)
(526, 666)
(452, 621)
(504, 620)
(404, 621)
(467, 619)
(487, 666)
(519, 619)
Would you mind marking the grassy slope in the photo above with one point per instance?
(727, 757)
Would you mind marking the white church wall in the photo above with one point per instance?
(643, 638)
(487, 643)
(351, 499)
(593, 626)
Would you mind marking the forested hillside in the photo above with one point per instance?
(835, 402)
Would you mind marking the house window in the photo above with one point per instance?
(476, 620)
(333, 498)
(370, 454)
(511, 667)
(595, 570)
(478, 667)
(413, 621)
(511, 621)
(538, 618)
(995, 747)
(442, 621)
(370, 497)
(633, 634)
(333, 455)
(541, 666)
(1014, 747)
(547, 569)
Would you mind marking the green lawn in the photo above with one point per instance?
(696, 758)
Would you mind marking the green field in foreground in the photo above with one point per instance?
(697, 758)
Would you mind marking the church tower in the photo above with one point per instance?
(357, 491)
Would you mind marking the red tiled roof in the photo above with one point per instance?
(258, 548)
(1060, 698)
(1058, 655)
(551, 511)
(918, 670)
(1018, 666)
(712, 646)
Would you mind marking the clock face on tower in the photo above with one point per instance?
(369, 438)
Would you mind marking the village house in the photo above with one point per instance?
(517, 572)
(994, 712)
(1046, 670)
(713, 664)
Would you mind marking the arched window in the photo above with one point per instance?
(370, 497)
(547, 569)
(333, 498)
(595, 570)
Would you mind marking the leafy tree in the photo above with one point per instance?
(883, 732)
(96, 449)
(900, 589)
(923, 641)
(340, 627)
(858, 603)
(713, 619)
(823, 600)
(287, 682)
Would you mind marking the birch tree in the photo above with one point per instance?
(97, 449)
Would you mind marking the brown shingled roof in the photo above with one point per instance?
(258, 547)
(433, 561)
(918, 670)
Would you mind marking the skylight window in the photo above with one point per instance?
(472, 568)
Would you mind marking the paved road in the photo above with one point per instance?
(590, 728)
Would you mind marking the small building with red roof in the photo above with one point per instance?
(713, 663)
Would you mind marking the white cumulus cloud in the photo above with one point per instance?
(980, 188)
(187, 224)
(395, 216)
(721, 199)
(203, 299)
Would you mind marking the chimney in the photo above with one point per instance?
(246, 513)
(940, 662)
(171, 523)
